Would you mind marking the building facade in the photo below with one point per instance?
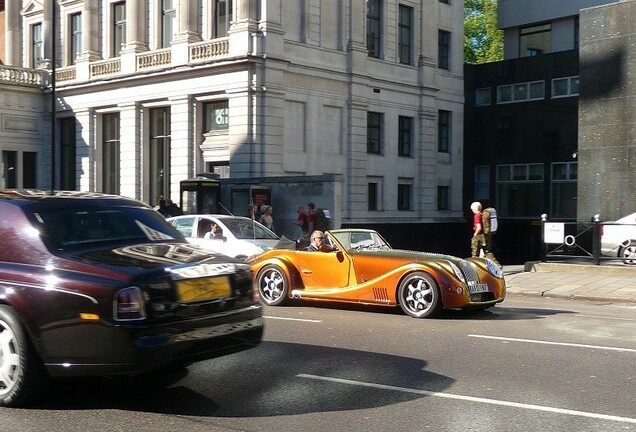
(522, 126)
(152, 92)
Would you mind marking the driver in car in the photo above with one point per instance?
(318, 242)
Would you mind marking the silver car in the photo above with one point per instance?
(241, 236)
(618, 239)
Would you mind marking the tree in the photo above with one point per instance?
(483, 41)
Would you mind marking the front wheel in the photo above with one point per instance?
(419, 296)
(273, 285)
(628, 253)
(21, 373)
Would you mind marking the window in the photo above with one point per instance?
(159, 154)
(521, 92)
(404, 194)
(37, 47)
(443, 131)
(482, 182)
(168, 19)
(9, 168)
(405, 136)
(374, 27)
(375, 127)
(405, 37)
(216, 116)
(535, 40)
(110, 153)
(222, 17)
(75, 26)
(443, 50)
(442, 198)
(445, 1)
(564, 87)
(372, 196)
(29, 164)
(482, 96)
(520, 190)
(68, 155)
(563, 189)
(119, 27)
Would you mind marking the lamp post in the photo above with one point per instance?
(53, 95)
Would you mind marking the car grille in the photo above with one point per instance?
(482, 297)
(469, 272)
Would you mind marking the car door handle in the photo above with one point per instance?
(306, 271)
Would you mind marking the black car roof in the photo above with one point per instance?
(35, 197)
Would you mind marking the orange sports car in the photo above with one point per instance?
(359, 266)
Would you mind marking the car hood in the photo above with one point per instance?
(407, 255)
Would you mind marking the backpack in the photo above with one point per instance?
(323, 220)
(489, 220)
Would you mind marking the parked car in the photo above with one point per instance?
(618, 239)
(93, 284)
(359, 266)
(242, 236)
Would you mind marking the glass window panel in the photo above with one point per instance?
(559, 171)
(521, 91)
(536, 171)
(482, 96)
(504, 173)
(537, 90)
(574, 86)
(560, 87)
(519, 172)
(504, 94)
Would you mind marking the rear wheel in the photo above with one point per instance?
(21, 374)
(628, 253)
(419, 296)
(273, 285)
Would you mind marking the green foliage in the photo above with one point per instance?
(483, 41)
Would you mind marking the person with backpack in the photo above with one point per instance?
(489, 226)
(484, 221)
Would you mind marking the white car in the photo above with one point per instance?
(618, 239)
(242, 237)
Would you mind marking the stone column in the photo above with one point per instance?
(135, 35)
(181, 143)
(130, 151)
(188, 21)
(90, 31)
(12, 34)
(86, 160)
(47, 27)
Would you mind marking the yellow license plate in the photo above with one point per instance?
(204, 289)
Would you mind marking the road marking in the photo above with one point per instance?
(472, 399)
(292, 319)
(555, 343)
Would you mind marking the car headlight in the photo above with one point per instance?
(494, 268)
(458, 272)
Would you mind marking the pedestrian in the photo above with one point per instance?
(163, 208)
(311, 217)
(266, 218)
(172, 208)
(301, 221)
(478, 241)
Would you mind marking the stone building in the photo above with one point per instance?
(152, 92)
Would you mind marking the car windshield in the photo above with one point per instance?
(70, 227)
(361, 240)
(248, 229)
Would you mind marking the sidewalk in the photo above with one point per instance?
(616, 282)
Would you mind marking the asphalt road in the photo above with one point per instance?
(529, 364)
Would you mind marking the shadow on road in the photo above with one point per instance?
(261, 382)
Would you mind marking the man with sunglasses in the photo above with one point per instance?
(317, 241)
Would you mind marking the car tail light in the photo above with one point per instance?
(129, 305)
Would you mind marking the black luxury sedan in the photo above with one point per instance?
(94, 284)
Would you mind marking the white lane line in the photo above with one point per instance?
(554, 343)
(292, 319)
(472, 399)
